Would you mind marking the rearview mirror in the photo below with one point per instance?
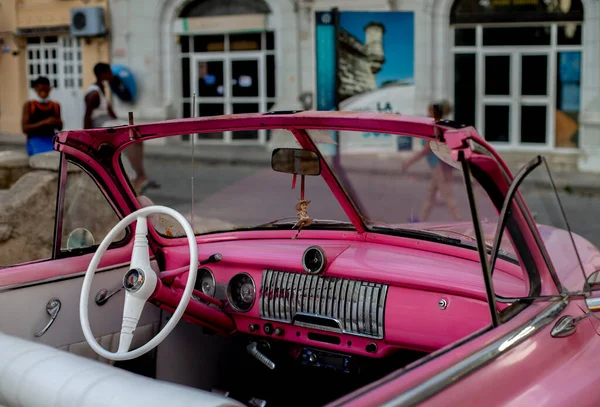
(295, 161)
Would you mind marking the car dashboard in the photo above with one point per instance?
(350, 298)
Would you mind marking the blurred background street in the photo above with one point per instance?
(523, 73)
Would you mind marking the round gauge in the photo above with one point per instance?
(241, 292)
(314, 260)
(205, 282)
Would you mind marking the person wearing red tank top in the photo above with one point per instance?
(41, 118)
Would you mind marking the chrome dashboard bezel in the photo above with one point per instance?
(334, 299)
(231, 303)
(323, 264)
(199, 280)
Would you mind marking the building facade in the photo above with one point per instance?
(35, 40)
(524, 72)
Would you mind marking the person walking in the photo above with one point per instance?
(441, 172)
(41, 118)
(99, 113)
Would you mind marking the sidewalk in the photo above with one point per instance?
(571, 182)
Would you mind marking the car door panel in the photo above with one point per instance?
(26, 290)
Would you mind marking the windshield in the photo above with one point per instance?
(234, 193)
(407, 189)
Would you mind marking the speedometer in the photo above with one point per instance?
(205, 282)
(241, 292)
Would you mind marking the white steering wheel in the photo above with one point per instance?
(139, 283)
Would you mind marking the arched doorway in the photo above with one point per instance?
(517, 71)
(227, 57)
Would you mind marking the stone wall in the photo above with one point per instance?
(27, 218)
(28, 203)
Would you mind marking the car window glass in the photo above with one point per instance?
(545, 202)
(87, 216)
(235, 195)
(27, 210)
(425, 195)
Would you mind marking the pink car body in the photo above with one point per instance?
(435, 298)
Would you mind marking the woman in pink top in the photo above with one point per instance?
(441, 172)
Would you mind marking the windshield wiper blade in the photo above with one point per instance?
(419, 234)
(290, 220)
(488, 245)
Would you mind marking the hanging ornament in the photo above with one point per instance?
(301, 209)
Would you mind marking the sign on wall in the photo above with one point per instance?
(368, 67)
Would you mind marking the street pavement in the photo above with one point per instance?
(251, 194)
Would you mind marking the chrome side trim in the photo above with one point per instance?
(477, 360)
(61, 278)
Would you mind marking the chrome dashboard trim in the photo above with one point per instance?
(323, 262)
(356, 306)
(477, 360)
(231, 303)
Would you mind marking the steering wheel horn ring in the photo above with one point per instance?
(134, 279)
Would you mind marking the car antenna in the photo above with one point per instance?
(193, 159)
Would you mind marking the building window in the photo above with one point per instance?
(519, 85)
(230, 74)
(517, 70)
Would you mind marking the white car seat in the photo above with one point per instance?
(36, 375)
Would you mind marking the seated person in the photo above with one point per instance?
(41, 119)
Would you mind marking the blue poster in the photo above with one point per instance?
(326, 63)
(374, 70)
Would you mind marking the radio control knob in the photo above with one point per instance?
(312, 358)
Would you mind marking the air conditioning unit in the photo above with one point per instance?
(87, 22)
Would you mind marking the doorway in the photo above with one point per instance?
(230, 74)
(59, 59)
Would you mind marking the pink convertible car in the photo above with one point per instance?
(321, 275)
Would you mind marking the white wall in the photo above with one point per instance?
(142, 39)
(589, 134)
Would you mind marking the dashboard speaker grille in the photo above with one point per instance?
(357, 307)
